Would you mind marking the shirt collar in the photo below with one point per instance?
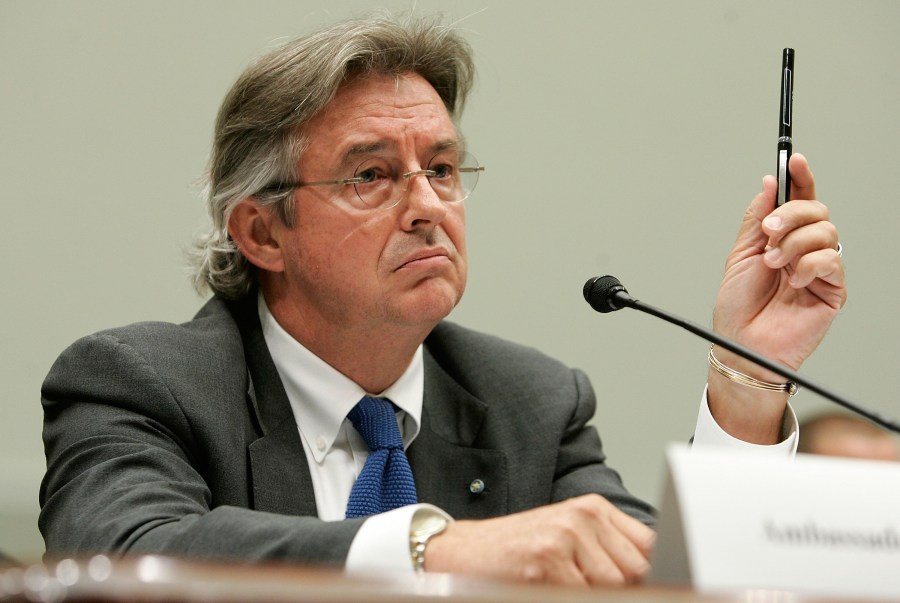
(321, 396)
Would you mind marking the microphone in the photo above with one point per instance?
(606, 294)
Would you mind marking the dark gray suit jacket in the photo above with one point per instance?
(179, 440)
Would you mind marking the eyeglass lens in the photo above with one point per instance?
(451, 174)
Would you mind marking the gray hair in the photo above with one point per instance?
(259, 129)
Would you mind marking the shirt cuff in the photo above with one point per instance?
(382, 542)
(708, 433)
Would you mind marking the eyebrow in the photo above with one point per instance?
(369, 148)
(449, 143)
(365, 149)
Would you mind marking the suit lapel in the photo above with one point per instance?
(450, 472)
(279, 473)
(445, 461)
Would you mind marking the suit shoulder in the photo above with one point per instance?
(175, 352)
(211, 329)
(463, 351)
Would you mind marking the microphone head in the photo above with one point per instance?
(600, 292)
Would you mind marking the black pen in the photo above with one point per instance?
(785, 144)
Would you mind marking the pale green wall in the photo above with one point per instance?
(621, 137)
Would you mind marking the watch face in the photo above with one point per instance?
(427, 523)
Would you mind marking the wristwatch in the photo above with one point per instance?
(426, 523)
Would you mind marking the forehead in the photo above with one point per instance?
(402, 114)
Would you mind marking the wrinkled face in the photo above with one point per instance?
(352, 267)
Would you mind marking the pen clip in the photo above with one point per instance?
(784, 183)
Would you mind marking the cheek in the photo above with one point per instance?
(348, 242)
(310, 246)
(456, 229)
(361, 226)
(363, 232)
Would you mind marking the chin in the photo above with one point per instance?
(430, 307)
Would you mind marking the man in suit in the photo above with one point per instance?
(337, 248)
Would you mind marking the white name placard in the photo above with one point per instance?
(733, 520)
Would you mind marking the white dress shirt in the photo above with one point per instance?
(708, 433)
(320, 399)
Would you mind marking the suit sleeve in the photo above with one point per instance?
(581, 464)
(127, 472)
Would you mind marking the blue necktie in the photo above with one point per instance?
(386, 481)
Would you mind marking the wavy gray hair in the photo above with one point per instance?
(259, 129)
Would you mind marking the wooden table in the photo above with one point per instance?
(155, 579)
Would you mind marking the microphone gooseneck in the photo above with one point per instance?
(607, 294)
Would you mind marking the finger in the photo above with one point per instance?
(824, 264)
(803, 184)
(750, 238)
(629, 546)
(545, 571)
(620, 553)
(800, 242)
(598, 567)
(550, 556)
(640, 534)
(792, 216)
(763, 204)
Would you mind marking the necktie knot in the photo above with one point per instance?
(375, 421)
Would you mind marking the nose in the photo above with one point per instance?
(423, 208)
(409, 175)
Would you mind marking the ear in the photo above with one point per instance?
(253, 229)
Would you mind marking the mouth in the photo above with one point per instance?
(425, 258)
